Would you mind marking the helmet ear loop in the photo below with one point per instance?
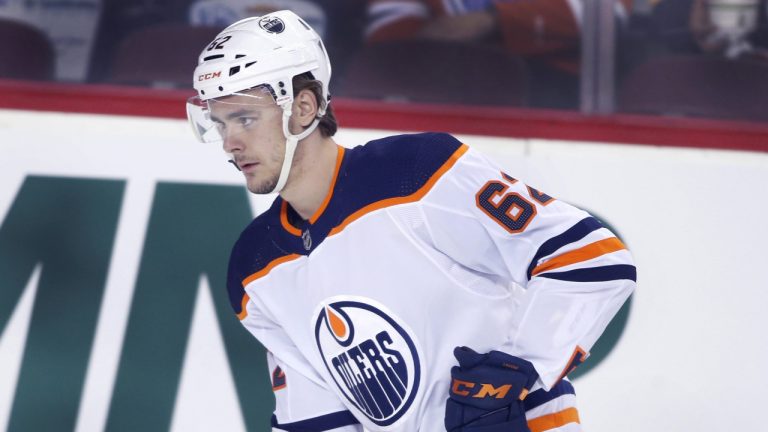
(303, 134)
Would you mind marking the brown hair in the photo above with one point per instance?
(328, 125)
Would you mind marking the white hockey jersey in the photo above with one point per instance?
(422, 245)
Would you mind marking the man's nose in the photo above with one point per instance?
(233, 143)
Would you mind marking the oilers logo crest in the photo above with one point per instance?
(370, 355)
(272, 24)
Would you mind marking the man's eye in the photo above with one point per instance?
(245, 121)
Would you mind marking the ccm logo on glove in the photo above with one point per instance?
(465, 388)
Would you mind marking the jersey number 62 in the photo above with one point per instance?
(509, 209)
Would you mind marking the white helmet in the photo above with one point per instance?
(266, 51)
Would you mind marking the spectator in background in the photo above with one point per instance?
(732, 28)
(545, 32)
(686, 27)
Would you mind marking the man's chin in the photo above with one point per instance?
(261, 188)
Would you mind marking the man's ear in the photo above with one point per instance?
(304, 108)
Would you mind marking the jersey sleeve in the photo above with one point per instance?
(576, 273)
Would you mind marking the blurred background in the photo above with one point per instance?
(116, 225)
(699, 58)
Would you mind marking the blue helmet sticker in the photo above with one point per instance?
(272, 24)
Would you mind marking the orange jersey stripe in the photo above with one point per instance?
(269, 267)
(592, 250)
(284, 207)
(554, 420)
(263, 272)
(321, 209)
(243, 312)
(284, 220)
(406, 199)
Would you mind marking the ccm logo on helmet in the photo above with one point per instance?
(209, 76)
(272, 24)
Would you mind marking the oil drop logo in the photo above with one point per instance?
(371, 356)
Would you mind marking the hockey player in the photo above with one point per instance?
(408, 284)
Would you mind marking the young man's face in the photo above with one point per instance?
(251, 127)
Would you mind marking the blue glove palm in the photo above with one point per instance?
(487, 392)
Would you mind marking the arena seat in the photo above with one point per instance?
(26, 52)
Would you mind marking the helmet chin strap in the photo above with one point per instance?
(291, 141)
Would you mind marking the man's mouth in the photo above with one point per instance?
(247, 167)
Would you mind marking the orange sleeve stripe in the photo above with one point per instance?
(321, 209)
(554, 420)
(592, 250)
(243, 311)
(269, 267)
(578, 356)
(406, 199)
